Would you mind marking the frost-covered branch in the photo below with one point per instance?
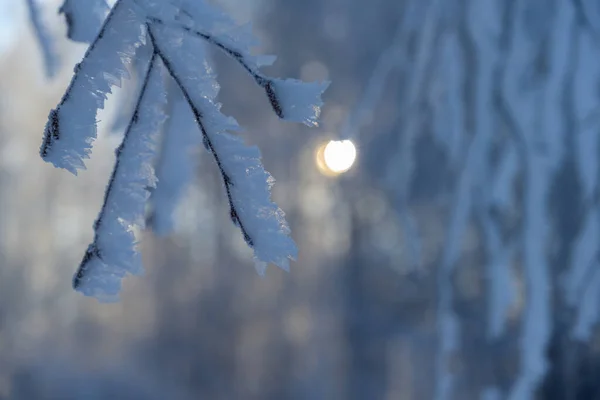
(173, 38)
(246, 183)
(112, 253)
(208, 142)
(278, 90)
(71, 126)
(527, 106)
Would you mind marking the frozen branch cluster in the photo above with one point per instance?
(165, 37)
(501, 91)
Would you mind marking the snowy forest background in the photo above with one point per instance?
(458, 259)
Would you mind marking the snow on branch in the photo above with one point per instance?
(71, 126)
(113, 254)
(173, 30)
(291, 99)
(247, 184)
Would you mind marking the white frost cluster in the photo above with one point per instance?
(112, 254)
(175, 31)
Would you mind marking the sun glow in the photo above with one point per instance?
(336, 157)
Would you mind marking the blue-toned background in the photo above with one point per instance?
(456, 259)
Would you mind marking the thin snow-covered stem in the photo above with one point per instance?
(94, 250)
(544, 121)
(448, 323)
(233, 213)
(498, 252)
(536, 321)
(52, 131)
(261, 80)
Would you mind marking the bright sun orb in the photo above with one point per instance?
(338, 156)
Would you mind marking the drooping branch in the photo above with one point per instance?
(247, 184)
(227, 181)
(113, 248)
(71, 126)
(303, 107)
(260, 79)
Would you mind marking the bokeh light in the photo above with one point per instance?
(336, 157)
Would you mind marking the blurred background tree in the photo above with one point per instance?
(456, 259)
